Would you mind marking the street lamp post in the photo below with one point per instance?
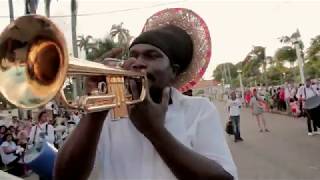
(296, 42)
(241, 84)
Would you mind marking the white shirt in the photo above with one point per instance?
(306, 93)
(293, 92)
(8, 158)
(288, 92)
(234, 107)
(49, 105)
(41, 128)
(75, 118)
(316, 87)
(124, 153)
(55, 111)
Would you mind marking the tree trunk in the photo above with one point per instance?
(31, 6)
(47, 7)
(11, 13)
(74, 10)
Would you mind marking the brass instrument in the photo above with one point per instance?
(34, 64)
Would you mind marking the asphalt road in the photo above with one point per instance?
(286, 152)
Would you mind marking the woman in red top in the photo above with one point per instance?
(282, 100)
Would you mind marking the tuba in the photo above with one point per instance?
(34, 65)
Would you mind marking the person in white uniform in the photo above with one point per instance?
(42, 131)
(167, 136)
(305, 92)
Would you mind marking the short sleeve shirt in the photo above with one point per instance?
(124, 153)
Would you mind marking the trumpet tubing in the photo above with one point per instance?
(34, 64)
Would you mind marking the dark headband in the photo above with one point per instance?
(173, 41)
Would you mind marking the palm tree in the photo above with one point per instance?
(295, 42)
(31, 6)
(74, 11)
(122, 35)
(286, 53)
(11, 13)
(269, 61)
(314, 49)
(102, 49)
(84, 43)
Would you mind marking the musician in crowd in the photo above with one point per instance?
(168, 135)
(305, 92)
(41, 131)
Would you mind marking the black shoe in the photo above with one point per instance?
(240, 139)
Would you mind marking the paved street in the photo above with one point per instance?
(285, 153)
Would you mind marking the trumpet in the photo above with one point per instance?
(34, 65)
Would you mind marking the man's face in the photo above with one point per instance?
(233, 96)
(254, 92)
(156, 64)
(14, 119)
(308, 83)
(9, 138)
(43, 118)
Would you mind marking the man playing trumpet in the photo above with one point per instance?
(168, 135)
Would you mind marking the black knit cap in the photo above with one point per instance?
(173, 41)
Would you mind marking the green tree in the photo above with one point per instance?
(101, 49)
(314, 49)
(312, 68)
(286, 53)
(312, 65)
(221, 71)
(275, 74)
(84, 42)
(297, 45)
(122, 36)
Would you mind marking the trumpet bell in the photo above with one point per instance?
(34, 64)
(33, 61)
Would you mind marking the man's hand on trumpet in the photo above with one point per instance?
(92, 82)
(148, 116)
